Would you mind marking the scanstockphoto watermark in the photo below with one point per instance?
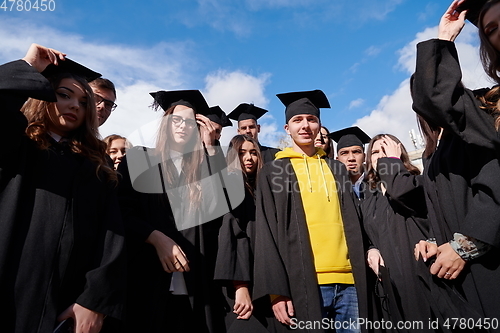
(285, 179)
(198, 194)
(357, 324)
(324, 324)
(27, 5)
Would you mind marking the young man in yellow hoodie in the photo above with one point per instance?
(309, 245)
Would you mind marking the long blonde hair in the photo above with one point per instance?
(85, 140)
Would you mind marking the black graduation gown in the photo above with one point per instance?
(268, 153)
(461, 183)
(150, 305)
(284, 263)
(61, 236)
(394, 223)
(235, 259)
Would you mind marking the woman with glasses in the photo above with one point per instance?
(61, 235)
(168, 201)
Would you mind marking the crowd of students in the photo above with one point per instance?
(100, 236)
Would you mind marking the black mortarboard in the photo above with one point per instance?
(348, 137)
(190, 98)
(246, 111)
(303, 102)
(473, 8)
(70, 66)
(217, 115)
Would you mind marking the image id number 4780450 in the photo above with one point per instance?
(28, 5)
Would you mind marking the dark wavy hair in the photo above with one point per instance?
(329, 145)
(490, 58)
(85, 140)
(430, 133)
(234, 163)
(372, 175)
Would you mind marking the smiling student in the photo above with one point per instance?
(117, 146)
(309, 245)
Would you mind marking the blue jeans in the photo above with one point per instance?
(340, 305)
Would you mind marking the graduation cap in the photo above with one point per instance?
(473, 8)
(348, 137)
(303, 102)
(217, 115)
(70, 66)
(190, 98)
(246, 111)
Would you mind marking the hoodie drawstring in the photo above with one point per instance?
(324, 179)
(308, 173)
(322, 175)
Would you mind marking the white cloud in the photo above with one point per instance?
(373, 51)
(229, 89)
(366, 10)
(162, 66)
(222, 15)
(133, 112)
(394, 113)
(136, 72)
(257, 4)
(356, 103)
(429, 11)
(354, 68)
(236, 16)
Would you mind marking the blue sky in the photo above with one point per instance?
(359, 52)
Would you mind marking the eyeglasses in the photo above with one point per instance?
(178, 120)
(108, 105)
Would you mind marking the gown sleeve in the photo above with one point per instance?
(402, 187)
(18, 82)
(440, 97)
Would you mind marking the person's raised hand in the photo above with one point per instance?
(40, 57)
(451, 22)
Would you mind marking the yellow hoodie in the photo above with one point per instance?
(323, 216)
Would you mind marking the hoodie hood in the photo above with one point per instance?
(290, 153)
